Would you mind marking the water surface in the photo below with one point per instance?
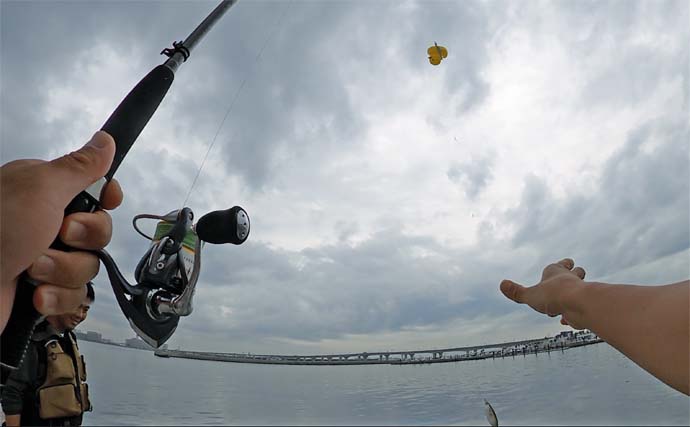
(592, 385)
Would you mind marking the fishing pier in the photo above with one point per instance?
(561, 342)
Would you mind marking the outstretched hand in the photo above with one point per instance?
(553, 295)
(33, 197)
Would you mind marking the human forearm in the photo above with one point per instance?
(649, 324)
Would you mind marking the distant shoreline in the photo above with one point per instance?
(561, 342)
(83, 337)
(114, 344)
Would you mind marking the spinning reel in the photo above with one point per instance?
(167, 274)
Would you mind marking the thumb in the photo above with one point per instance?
(513, 291)
(77, 170)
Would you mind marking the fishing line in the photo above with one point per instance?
(234, 99)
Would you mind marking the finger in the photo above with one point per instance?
(579, 272)
(84, 230)
(19, 164)
(81, 168)
(67, 269)
(564, 322)
(513, 291)
(50, 299)
(567, 263)
(557, 268)
(111, 197)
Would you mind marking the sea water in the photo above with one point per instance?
(592, 385)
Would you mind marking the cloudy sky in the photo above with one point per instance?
(388, 197)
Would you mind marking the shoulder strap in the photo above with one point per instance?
(41, 357)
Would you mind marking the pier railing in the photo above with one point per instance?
(426, 356)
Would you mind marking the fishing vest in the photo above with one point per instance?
(64, 392)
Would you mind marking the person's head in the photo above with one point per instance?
(69, 321)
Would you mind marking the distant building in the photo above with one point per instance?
(137, 343)
(585, 335)
(93, 336)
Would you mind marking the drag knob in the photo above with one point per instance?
(228, 226)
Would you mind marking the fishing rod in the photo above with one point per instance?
(166, 275)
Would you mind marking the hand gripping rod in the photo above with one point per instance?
(124, 125)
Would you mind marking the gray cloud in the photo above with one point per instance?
(294, 105)
(389, 283)
(393, 282)
(611, 39)
(32, 60)
(639, 213)
(473, 176)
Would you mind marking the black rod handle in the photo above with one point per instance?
(135, 111)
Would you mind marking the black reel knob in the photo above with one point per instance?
(228, 226)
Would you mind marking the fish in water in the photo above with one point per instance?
(490, 414)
